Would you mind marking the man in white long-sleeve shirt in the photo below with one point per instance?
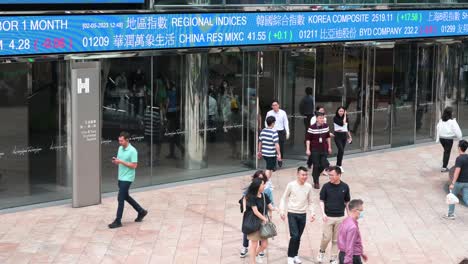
(281, 126)
(300, 200)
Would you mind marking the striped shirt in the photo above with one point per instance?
(152, 128)
(316, 134)
(268, 137)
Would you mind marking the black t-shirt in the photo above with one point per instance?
(462, 163)
(259, 203)
(335, 196)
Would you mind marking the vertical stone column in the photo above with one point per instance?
(194, 111)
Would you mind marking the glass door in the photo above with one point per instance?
(404, 94)
(297, 98)
(448, 78)
(354, 83)
(425, 96)
(380, 86)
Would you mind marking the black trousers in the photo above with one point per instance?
(281, 139)
(297, 224)
(123, 196)
(340, 141)
(356, 259)
(320, 162)
(447, 145)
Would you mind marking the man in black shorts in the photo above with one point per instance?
(268, 146)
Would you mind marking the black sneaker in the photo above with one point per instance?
(141, 216)
(115, 224)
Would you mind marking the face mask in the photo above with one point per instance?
(361, 215)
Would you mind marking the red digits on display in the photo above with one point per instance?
(59, 43)
(47, 43)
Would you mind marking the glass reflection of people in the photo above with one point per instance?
(121, 82)
(212, 115)
(306, 107)
(360, 101)
(227, 99)
(138, 89)
(161, 94)
(234, 131)
(152, 122)
(342, 134)
(173, 121)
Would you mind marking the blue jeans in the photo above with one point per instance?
(123, 196)
(457, 188)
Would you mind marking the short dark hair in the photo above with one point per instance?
(463, 145)
(355, 203)
(447, 114)
(334, 168)
(275, 101)
(317, 108)
(308, 90)
(302, 168)
(270, 120)
(125, 135)
(317, 114)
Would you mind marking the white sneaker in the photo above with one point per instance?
(342, 170)
(320, 256)
(290, 260)
(449, 217)
(297, 260)
(333, 261)
(243, 252)
(259, 259)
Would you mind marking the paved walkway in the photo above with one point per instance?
(200, 223)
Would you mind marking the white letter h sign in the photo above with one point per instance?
(83, 85)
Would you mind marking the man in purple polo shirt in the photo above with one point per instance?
(349, 236)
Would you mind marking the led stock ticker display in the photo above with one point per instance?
(18, 2)
(27, 35)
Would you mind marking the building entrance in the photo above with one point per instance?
(389, 88)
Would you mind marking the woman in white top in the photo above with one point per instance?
(447, 130)
(342, 134)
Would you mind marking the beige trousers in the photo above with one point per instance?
(330, 232)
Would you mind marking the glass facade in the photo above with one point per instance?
(34, 149)
(196, 113)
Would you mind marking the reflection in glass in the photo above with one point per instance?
(425, 107)
(354, 62)
(380, 92)
(299, 73)
(34, 165)
(404, 93)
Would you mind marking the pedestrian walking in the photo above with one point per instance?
(318, 109)
(349, 236)
(257, 207)
(342, 134)
(459, 182)
(318, 146)
(447, 130)
(127, 161)
(269, 193)
(299, 198)
(334, 198)
(269, 147)
(306, 107)
(281, 126)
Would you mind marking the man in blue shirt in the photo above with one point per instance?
(127, 161)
